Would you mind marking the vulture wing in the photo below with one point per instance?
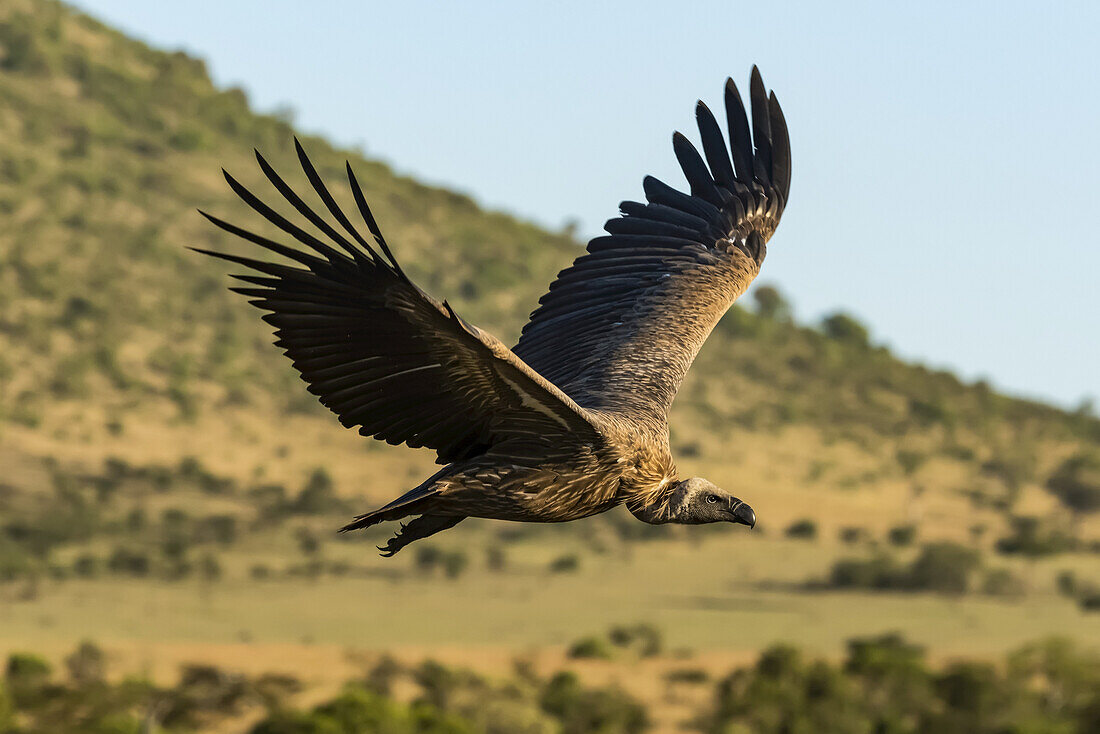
(619, 329)
(382, 354)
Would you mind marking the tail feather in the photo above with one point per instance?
(402, 506)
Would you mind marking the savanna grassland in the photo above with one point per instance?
(170, 492)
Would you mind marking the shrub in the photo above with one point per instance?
(590, 648)
(209, 568)
(804, 529)
(438, 684)
(1002, 582)
(880, 572)
(581, 710)
(427, 557)
(380, 678)
(129, 562)
(565, 564)
(969, 688)
(318, 496)
(274, 689)
(86, 665)
(645, 639)
(1089, 601)
(944, 567)
(308, 543)
(844, 328)
(204, 690)
(770, 303)
(86, 566)
(496, 558)
(14, 562)
(454, 563)
(136, 520)
(852, 535)
(221, 529)
(297, 722)
(689, 676)
(1076, 482)
(910, 461)
(883, 656)
(359, 710)
(902, 535)
(26, 676)
(1030, 538)
(1066, 583)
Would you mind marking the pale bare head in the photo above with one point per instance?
(696, 501)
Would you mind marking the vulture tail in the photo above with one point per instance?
(405, 505)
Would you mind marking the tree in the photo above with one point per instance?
(804, 528)
(771, 304)
(1076, 482)
(591, 710)
(844, 328)
(902, 535)
(943, 567)
(318, 496)
(308, 543)
(86, 664)
(26, 676)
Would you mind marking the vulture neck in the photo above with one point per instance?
(661, 505)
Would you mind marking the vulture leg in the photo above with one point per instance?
(421, 527)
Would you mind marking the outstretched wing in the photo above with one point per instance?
(382, 354)
(619, 329)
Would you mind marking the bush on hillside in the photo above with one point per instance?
(1029, 536)
(941, 567)
(770, 303)
(582, 710)
(569, 563)
(944, 567)
(596, 648)
(1076, 482)
(902, 535)
(804, 529)
(844, 328)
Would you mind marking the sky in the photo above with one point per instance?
(945, 154)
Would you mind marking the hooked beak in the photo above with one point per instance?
(743, 514)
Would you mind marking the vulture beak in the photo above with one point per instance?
(743, 514)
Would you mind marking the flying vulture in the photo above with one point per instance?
(573, 420)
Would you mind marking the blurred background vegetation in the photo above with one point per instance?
(170, 490)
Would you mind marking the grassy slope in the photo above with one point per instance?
(107, 324)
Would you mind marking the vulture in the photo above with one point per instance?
(571, 421)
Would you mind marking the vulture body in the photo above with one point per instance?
(573, 420)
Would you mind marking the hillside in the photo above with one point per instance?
(118, 343)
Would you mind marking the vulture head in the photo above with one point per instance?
(696, 501)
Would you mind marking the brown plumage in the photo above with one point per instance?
(574, 419)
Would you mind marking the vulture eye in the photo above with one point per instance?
(712, 498)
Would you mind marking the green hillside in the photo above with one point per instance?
(116, 341)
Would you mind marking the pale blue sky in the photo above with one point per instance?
(946, 155)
